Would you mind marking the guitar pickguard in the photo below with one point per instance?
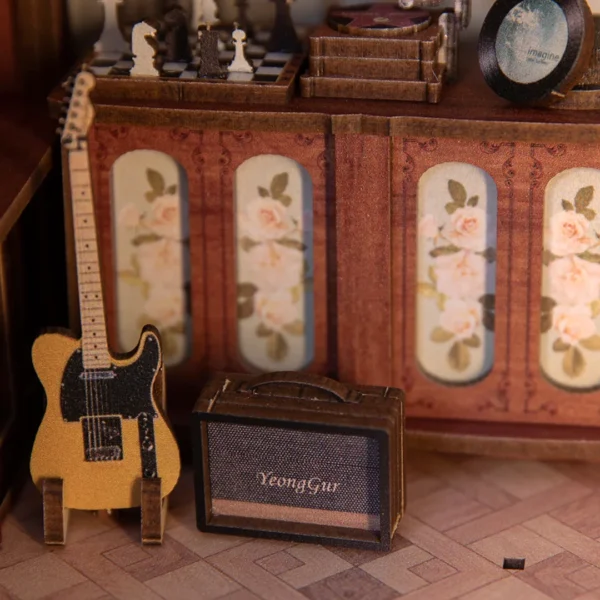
(100, 399)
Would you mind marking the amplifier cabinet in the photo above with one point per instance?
(298, 456)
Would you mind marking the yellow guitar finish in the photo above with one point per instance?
(58, 451)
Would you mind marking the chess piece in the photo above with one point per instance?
(242, 18)
(111, 39)
(240, 63)
(204, 11)
(177, 35)
(208, 53)
(284, 37)
(144, 48)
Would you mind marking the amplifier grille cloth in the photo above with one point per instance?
(304, 469)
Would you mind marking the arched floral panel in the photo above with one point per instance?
(274, 253)
(456, 270)
(570, 309)
(151, 245)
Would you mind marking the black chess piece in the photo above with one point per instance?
(284, 37)
(242, 18)
(177, 35)
(208, 53)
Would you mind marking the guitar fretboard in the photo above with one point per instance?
(91, 302)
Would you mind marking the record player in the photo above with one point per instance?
(384, 51)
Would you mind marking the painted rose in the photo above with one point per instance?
(165, 307)
(276, 309)
(164, 217)
(570, 233)
(574, 281)
(267, 219)
(467, 228)
(161, 261)
(428, 227)
(573, 323)
(275, 267)
(461, 317)
(461, 275)
(129, 216)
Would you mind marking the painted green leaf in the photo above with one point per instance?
(151, 196)
(296, 292)
(145, 238)
(459, 357)
(246, 290)
(295, 328)
(451, 207)
(295, 244)
(567, 205)
(595, 307)
(584, 197)
(277, 347)
(590, 257)
(489, 320)
(589, 214)
(441, 302)
(591, 343)
(473, 342)
(458, 192)
(172, 189)
(573, 362)
(263, 192)
(285, 200)
(262, 331)
(546, 322)
(247, 244)
(444, 251)
(426, 289)
(279, 185)
(489, 254)
(473, 201)
(245, 308)
(432, 275)
(156, 181)
(547, 304)
(440, 335)
(560, 346)
(548, 257)
(488, 301)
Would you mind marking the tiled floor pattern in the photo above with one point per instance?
(465, 516)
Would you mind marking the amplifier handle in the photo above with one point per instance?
(339, 390)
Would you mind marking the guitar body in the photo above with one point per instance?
(104, 429)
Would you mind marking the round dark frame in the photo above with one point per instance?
(559, 80)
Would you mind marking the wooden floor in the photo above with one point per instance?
(465, 516)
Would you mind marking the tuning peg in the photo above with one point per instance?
(59, 130)
(62, 120)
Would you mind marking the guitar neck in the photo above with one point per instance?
(91, 303)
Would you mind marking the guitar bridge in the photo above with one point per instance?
(102, 439)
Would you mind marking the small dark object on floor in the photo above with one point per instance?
(516, 564)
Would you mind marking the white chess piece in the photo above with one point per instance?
(204, 11)
(240, 63)
(144, 53)
(111, 39)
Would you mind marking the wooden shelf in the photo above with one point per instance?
(26, 139)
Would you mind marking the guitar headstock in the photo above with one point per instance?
(79, 109)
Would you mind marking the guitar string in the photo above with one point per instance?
(79, 240)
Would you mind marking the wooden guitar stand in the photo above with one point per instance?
(56, 516)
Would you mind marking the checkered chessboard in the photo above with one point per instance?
(269, 65)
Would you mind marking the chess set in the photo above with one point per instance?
(384, 51)
(224, 67)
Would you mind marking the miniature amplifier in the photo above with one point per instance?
(298, 456)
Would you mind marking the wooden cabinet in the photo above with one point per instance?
(419, 234)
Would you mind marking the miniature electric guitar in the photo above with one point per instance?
(104, 431)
